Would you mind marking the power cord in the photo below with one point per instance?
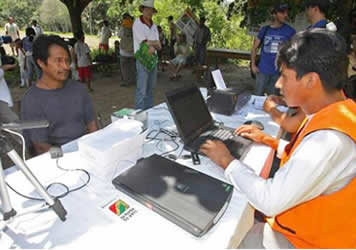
(172, 136)
(55, 153)
(67, 190)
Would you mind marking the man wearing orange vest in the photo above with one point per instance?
(310, 202)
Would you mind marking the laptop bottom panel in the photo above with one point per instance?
(190, 199)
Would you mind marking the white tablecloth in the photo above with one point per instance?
(89, 222)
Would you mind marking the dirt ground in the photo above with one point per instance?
(109, 96)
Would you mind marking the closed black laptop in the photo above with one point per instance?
(190, 199)
(195, 123)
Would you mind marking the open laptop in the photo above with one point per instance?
(195, 123)
(190, 199)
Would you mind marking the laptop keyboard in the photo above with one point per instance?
(235, 144)
(222, 134)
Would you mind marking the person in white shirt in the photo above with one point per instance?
(37, 28)
(181, 51)
(83, 61)
(145, 31)
(12, 30)
(105, 36)
(22, 61)
(6, 102)
(319, 164)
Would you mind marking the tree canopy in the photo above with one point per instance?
(227, 19)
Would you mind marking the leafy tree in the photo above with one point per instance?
(59, 22)
(225, 33)
(100, 10)
(22, 10)
(259, 11)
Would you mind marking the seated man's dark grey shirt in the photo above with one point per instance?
(69, 110)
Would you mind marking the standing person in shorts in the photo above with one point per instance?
(83, 61)
(105, 36)
(12, 30)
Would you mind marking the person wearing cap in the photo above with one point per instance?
(315, 11)
(201, 37)
(309, 203)
(269, 38)
(144, 30)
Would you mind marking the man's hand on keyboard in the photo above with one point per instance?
(255, 134)
(217, 152)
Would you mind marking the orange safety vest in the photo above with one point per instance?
(327, 221)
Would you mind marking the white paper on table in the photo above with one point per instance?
(218, 79)
(257, 101)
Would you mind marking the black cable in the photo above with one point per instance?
(24, 196)
(67, 190)
(61, 184)
(71, 170)
(154, 137)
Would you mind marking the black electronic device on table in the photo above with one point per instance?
(222, 101)
(195, 123)
(192, 200)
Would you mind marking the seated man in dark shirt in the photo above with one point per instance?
(63, 102)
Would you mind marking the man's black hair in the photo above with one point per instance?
(126, 15)
(106, 22)
(30, 32)
(279, 7)
(43, 43)
(71, 41)
(79, 35)
(317, 50)
(170, 18)
(19, 41)
(323, 5)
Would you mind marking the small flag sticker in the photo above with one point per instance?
(119, 207)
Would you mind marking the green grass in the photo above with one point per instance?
(13, 77)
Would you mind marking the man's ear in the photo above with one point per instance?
(40, 63)
(312, 79)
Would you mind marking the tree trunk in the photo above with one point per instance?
(75, 9)
(75, 18)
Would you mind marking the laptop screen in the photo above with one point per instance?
(189, 111)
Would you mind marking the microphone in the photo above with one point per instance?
(21, 125)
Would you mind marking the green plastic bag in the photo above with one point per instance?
(148, 61)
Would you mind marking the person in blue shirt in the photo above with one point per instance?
(30, 62)
(315, 11)
(269, 38)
